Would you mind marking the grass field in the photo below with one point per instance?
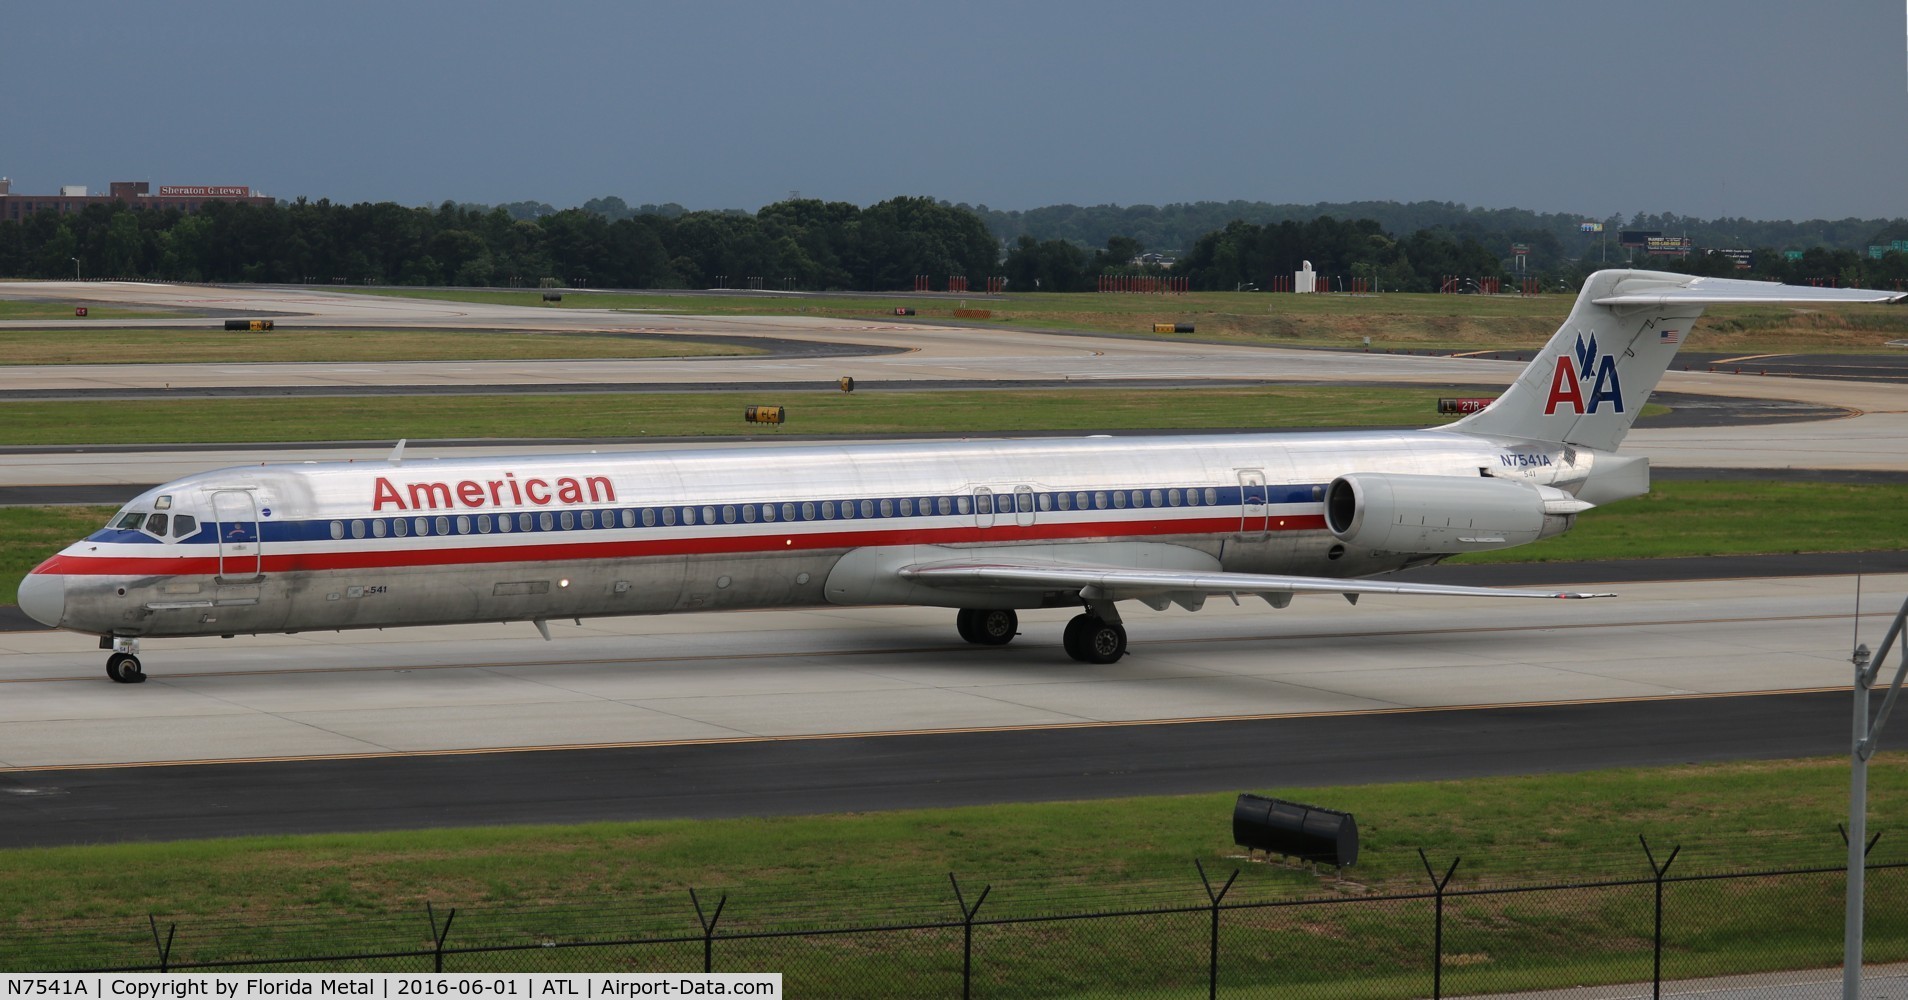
(193, 419)
(328, 894)
(11, 309)
(1399, 321)
(1677, 518)
(182, 346)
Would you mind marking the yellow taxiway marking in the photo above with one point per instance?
(889, 733)
(1748, 357)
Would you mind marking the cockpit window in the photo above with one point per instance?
(183, 525)
(156, 524)
(132, 521)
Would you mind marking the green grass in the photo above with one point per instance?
(256, 897)
(1723, 517)
(11, 309)
(198, 419)
(1677, 518)
(184, 346)
(1397, 321)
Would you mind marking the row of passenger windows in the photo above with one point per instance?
(751, 513)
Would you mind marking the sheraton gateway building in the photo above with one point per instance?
(74, 198)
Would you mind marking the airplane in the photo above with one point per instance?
(988, 527)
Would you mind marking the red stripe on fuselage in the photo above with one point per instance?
(756, 542)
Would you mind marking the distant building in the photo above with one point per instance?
(138, 194)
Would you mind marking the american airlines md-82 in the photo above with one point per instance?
(985, 527)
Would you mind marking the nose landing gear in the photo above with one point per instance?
(123, 666)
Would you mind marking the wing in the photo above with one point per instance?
(1159, 588)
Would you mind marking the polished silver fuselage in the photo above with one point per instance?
(282, 548)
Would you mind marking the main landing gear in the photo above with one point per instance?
(1094, 637)
(123, 666)
(987, 626)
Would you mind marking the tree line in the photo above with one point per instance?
(805, 243)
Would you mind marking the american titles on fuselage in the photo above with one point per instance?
(506, 492)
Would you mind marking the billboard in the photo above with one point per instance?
(1665, 246)
(1636, 237)
(1591, 227)
(203, 191)
(1745, 259)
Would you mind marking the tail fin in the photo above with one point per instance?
(1588, 384)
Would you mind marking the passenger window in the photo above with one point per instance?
(1066, 501)
(788, 512)
(1046, 501)
(867, 508)
(357, 529)
(523, 522)
(808, 511)
(669, 515)
(828, 510)
(1155, 498)
(423, 526)
(183, 525)
(589, 518)
(463, 524)
(629, 518)
(688, 515)
(443, 525)
(649, 517)
(964, 504)
(1099, 500)
(400, 527)
(887, 508)
(337, 530)
(728, 513)
(907, 507)
(566, 520)
(984, 503)
(1212, 496)
(847, 508)
(377, 528)
(483, 524)
(1139, 498)
(768, 512)
(131, 522)
(503, 523)
(944, 505)
(157, 524)
(708, 515)
(748, 513)
(1080, 501)
(1172, 497)
(1119, 499)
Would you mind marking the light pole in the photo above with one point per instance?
(76, 269)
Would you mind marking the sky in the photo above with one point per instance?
(1707, 108)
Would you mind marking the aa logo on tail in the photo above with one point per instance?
(1566, 387)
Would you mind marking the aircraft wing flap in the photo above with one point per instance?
(1116, 583)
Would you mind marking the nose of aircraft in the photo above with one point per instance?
(43, 598)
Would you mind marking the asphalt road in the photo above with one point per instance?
(812, 776)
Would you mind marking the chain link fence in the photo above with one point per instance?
(1202, 936)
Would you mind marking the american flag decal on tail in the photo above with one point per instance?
(1668, 336)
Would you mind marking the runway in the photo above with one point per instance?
(845, 671)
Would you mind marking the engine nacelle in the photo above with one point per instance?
(1444, 515)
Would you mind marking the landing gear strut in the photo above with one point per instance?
(123, 666)
(987, 626)
(1092, 639)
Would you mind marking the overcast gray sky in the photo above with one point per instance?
(1702, 107)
